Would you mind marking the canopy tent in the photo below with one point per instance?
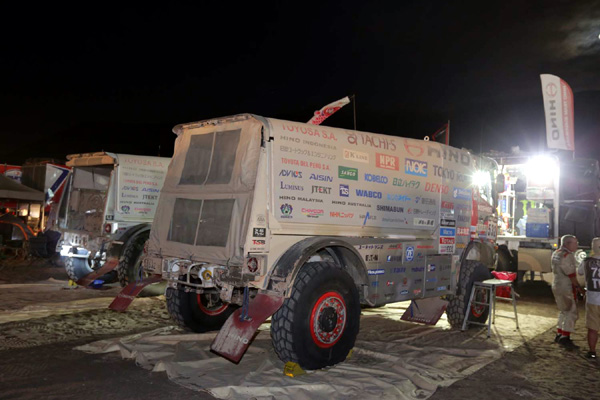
(12, 190)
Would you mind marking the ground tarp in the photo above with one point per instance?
(391, 359)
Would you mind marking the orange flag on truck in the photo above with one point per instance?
(324, 113)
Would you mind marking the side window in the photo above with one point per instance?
(184, 221)
(210, 158)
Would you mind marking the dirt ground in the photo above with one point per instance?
(37, 359)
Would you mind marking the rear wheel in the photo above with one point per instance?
(318, 324)
(77, 267)
(470, 272)
(198, 312)
(130, 263)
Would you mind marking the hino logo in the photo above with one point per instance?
(238, 338)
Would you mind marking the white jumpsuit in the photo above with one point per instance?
(563, 266)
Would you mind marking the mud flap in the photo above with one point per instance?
(127, 295)
(426, 311)
(234, 337)
(108, 266)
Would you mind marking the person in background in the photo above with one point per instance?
(565, 282)
(590, 269)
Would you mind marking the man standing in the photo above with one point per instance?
(563, 286)
(590, 268)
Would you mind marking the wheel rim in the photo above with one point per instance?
(477, 310)
(217, 309)
(328, 319)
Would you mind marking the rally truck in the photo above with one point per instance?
(305, 224)
(106, 213)
(546, 196)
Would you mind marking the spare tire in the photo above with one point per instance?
(77, 267)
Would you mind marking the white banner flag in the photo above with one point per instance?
(324, 113)
(558, 106)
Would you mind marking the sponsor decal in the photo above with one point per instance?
(376, 178)
(431, 280)
(371, 257)
(398, 270)
(321, 178)
(361, 139)
(389, 283)
(415, 167)
(448, 205)
(386, 161)
(428, 222)
(357, 156)
(410, 253)
(442, 288)
(417, 291)
(290, 173)
(461, 245)
(426, 201)
(286, 210)
(404, 292)
(289, 198)
(485, 209)
(446, 173)
(447, 240)
(125, 209)
(417, 281)
(307, 153)
(463, 218)
(395, 220)
(461, 194)
(341, 203)
(421, 246)
(309, 131)
(376, 271)
(348, 173)
(368, 193)
(436, 188)
(337, 214)
(321, 189)
(367, 216)
(259, 232)
(258, 242)
(285, 186)
(430, 267)
(398, 197)
(370, 246)
(309, 200)
(405, 183)
(447, 232)
(417, 269)
(446, 249)
(313, 212)
(394, 258)
(448, 222)
(390, 208)
(395, 246)
(344, 190)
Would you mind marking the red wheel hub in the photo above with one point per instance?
(328, 319)
(212, 311)
(480, 296)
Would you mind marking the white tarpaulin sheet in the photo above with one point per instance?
(392, 359)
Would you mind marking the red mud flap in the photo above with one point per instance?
(127, 295)
(108, 266)
(426, 311)
(235, 335)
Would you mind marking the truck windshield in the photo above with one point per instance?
(88, 197)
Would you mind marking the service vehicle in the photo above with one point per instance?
(107, 210)
(262, 218)
(545, 197)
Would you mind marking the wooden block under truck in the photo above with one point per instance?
(262, 218)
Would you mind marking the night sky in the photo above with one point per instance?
(117, 78)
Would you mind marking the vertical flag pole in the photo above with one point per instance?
(353, 98)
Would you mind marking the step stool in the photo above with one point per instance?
(490, 286)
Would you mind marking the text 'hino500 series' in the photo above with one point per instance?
(262, 218)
